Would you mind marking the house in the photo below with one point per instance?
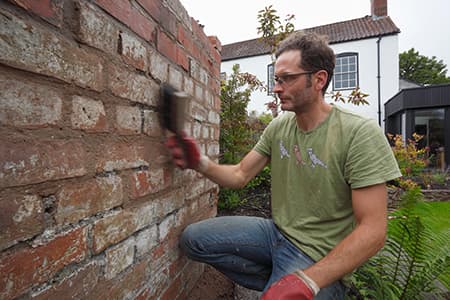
(366, 56)
(424, 110)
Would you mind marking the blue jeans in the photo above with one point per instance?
(250, 251)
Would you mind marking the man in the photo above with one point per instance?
(329, 168)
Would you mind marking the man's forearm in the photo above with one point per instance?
(350, 253)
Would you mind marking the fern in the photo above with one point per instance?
(414, 260)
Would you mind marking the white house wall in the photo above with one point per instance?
(367, 59)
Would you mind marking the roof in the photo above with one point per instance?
(346, 31)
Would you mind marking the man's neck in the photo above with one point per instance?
(314, 116)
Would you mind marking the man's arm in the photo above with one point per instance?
(370, 209)
(236, 176)
(186, 154)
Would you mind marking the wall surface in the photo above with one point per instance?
(367, 56)
(90, 205)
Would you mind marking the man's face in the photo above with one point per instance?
(292, 83)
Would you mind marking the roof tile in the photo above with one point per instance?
(351, 30)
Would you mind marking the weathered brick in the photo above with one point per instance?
(119, 257)
(168, 21)
(88, 114)
(146, 182)
(128, 119)
(151, 124)
(130, 16)
(213, 117)
(173, 291)
(50, 10)
(95, 28)
(120, 155)
(124, 286)
(146, 240)
(188, 86)
(77, 285)
(133, 86)
(21, 217)
(166, 226)
(159, 67)
(83, 199)
(21, 269)
(112, 229)
(28, 46)
(175, 78)
(134, 51)
(28, 105)
(25, 163)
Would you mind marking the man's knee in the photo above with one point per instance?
(187, 240)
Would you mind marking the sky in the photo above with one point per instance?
(424, 25)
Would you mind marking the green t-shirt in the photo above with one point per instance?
(314, 172)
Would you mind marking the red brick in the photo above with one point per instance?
(112, 229)
(152, 7)
(120, 155)
(133, 51)
(21, 269)
(28, 163)
(130, 16)
(173, 291)
(80, 200)
(128, 120)
(49, 10)
(78, 285)
(132, 86)
(146, 182)
(95, 28)
(182, 59)
(88, 114)
(167, 46)
(21, 217)
(185, 38)
(168, 21)
(35, 49)
(28, 105)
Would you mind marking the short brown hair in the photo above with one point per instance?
(315, 52)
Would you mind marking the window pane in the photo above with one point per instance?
(337, 85)
(345, 69)
(352, 68)
(345, 60)
(352, 59)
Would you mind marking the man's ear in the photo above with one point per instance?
(320, 79)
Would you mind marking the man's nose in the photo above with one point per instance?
(277, 88)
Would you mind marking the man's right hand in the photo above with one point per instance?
(185, 151)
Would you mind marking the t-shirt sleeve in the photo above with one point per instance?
(264, 145)
(370, 159)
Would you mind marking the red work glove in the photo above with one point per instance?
(185, 151)
(289, 287)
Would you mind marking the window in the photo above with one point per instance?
(223, 76)
(270, 78)
(346, 71)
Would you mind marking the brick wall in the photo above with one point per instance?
(90, 205)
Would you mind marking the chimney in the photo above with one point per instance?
(378, 8)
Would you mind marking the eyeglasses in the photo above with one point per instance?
(286, 78)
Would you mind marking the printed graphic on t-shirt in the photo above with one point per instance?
(314, 159)
(283, 151)
(298, 155)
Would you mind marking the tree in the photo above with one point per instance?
(235, 132)
(422, 69)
